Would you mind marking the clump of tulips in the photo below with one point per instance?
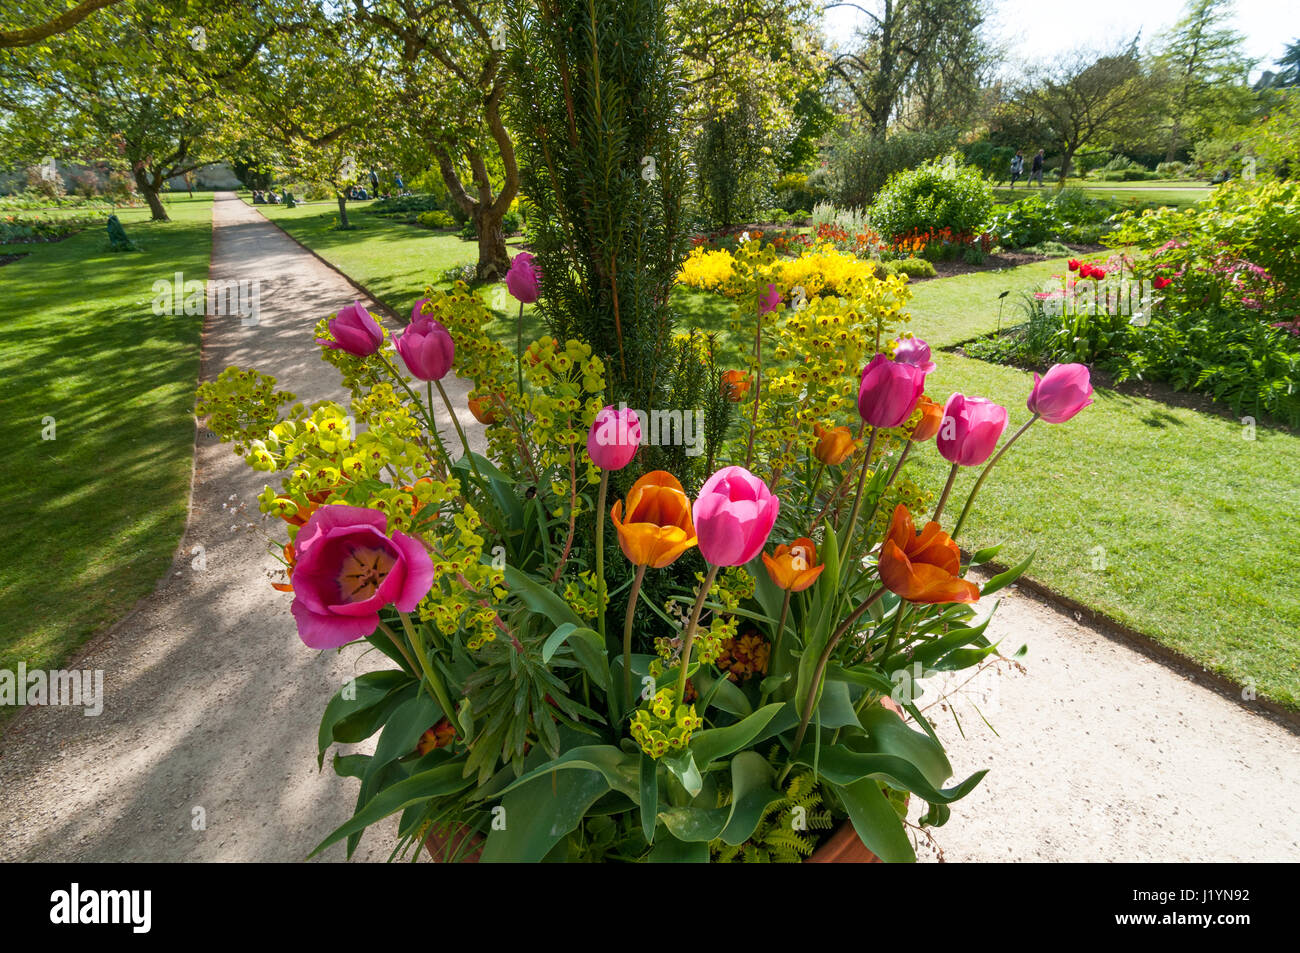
(487, 582)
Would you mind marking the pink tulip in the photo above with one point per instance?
(347, 568)
(426, 348)
(1061, 393)
(768, 302)
(354, 331)
(913, 351)
(522, 278)
(733, 516)
(613, 438)
(970, 430)
(889, 391)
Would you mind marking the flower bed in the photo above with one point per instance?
(1210, 306)
(21, 229)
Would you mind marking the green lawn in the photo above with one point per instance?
(95, 514)
(1192, 521)
(394, 261)
(1153, 193)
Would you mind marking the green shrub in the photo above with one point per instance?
(512, 223)
(406, 205)
(436, 219)
(912, 267)
(1069, 215)
(935, 195)
(1171, 170)
(860, 164)
(1125, 175)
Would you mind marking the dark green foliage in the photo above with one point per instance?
(596, 89)
(734, 166)
(862, 163)
(933, 195)
(1067, 216)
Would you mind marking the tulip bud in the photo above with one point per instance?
(889, 391)
(426, 348)
(522, 280)
(613, 438)
(1061, 393)
(970, 429)
(354, 331)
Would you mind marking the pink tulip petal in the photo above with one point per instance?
(418, 569)
(320, 631)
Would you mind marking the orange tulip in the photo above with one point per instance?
(835, 445)
(658, 527)
(439, 736)
(794, 567)
(931, 419)
(735, 385)
(290, 559)
(483, 409)
(925, 567)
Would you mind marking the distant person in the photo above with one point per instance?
(1017, 167)
(374, 182)
(257, 196)
(1036, 169)
(401, 186)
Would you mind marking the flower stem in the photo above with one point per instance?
(758, 382)
(985, 472)
(890, 482)
(627, 636)
(433, 682)
(847, 535)
(460, 431)
(519, 346)
(815, 688)
(776, 644)
(689, 639)
(947, 488)
(600, 549)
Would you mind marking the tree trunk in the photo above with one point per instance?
(150, 192)
(1067, 157)
(1175, 140)
(343, 212)
(493, 258)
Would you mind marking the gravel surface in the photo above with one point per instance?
(212, 702)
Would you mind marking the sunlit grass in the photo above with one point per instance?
(95, 513)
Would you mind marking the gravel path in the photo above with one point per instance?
(213, 703)
(1102, 754)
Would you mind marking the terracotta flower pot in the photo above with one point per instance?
(466, 846)
(844, 847)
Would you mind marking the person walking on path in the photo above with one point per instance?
(1017, 166)
(1036, 169)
